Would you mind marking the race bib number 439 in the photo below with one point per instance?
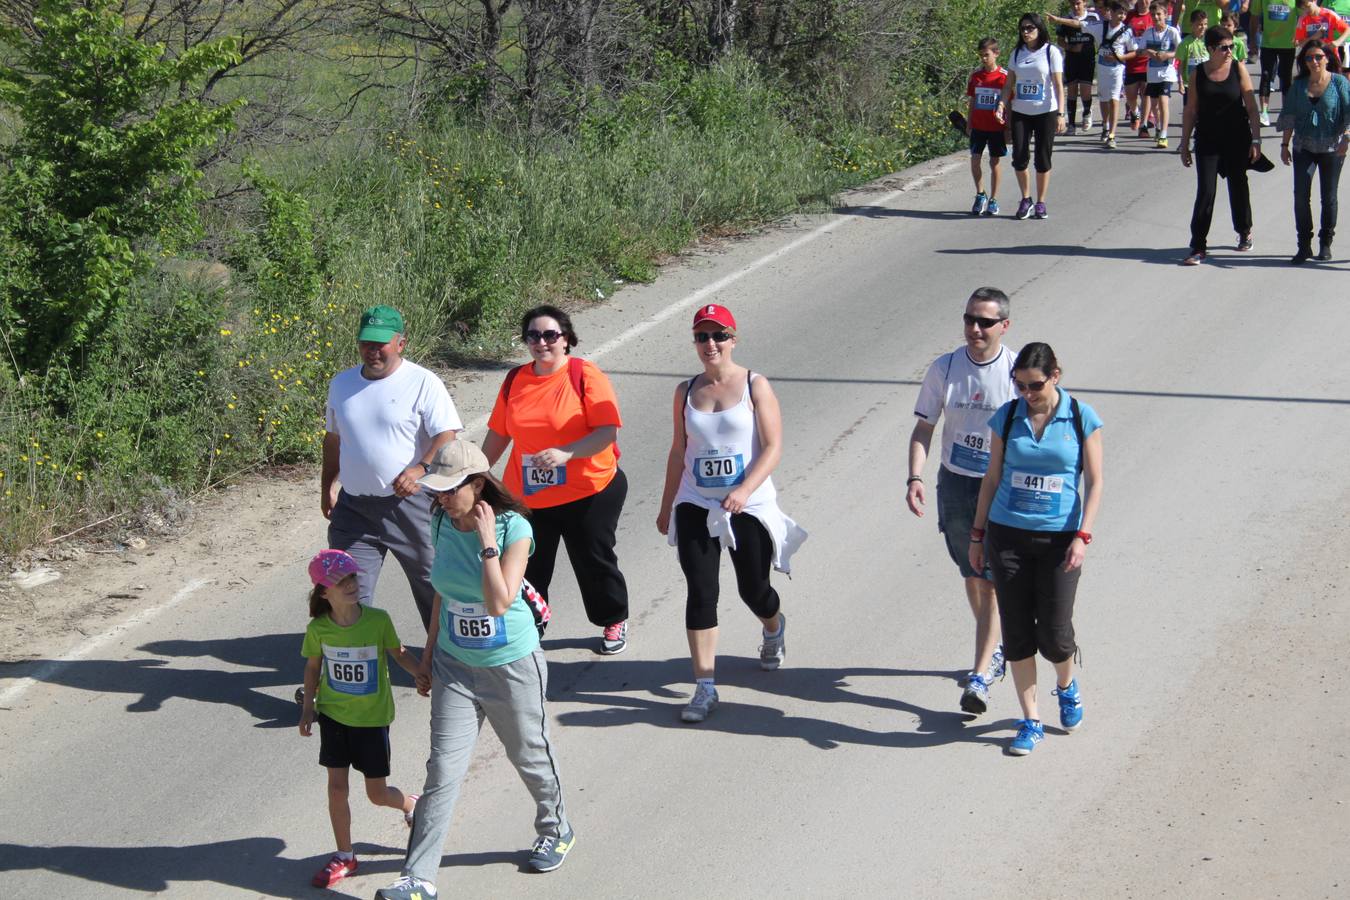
(352, 670)
(970, 451)
(1036, 493)
(539, 478)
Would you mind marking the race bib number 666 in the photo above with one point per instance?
(352, 670)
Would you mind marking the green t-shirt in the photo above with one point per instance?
(1341, 7)
(1240, 47)
(467, 631)
(1190, 54)
(1279, 21)
(1212, 9)
(354, 679)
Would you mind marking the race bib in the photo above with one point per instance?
(539, 478)
(1279, 12)
(1030, 91)
(352, 670)
(719, 469)
(1036, 493)
(970, 451)
(473, 629)
(986, 97)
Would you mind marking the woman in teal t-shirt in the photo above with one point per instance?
(1039, 499)
(482, 660)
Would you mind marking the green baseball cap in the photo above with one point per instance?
(380, 324)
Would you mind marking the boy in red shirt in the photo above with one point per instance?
(1136, 70)
(1319, 23)
(984, 89)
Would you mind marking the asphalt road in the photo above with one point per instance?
(1212, 761)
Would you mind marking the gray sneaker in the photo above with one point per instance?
(975, 698)
(704, 702)
(614, 639)
(407, 888)
(548, 851)
(772, 651)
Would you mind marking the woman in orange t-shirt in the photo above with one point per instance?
(559, 416)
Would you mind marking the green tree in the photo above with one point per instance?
(103, 165)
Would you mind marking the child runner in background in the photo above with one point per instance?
(1079, 49)
(1115, 48)
(1136, 70)
(1275, 26)
(1316, 22)
(347, 690)
(1192, 51)
(984, 89)
(1159, 45)
(1230, 21)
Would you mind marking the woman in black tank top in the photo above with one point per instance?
(1221, 113)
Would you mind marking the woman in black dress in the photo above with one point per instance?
(1221, 112)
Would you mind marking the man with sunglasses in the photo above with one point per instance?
(967, 385)
(386, 419)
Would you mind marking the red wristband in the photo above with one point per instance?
(977, 534)
(1084, 536)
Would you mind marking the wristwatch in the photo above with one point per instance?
(426, 466)
(487, 553)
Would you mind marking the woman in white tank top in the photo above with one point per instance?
(727, 441)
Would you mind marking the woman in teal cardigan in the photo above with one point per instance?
(1316, 126)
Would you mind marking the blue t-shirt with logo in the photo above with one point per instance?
(1039, 490)
(468, 632)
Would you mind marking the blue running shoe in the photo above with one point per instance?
(981, 201)
(975, 697)
(992, 208)
(1070, 706)
(998, 666)
(1030, 732)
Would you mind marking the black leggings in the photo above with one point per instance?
(1272, 57)
(1035, 594)
(587, 527)
(700, 556)
(1206, 187)
(1043, 127)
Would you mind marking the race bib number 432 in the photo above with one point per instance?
(352, 670)
(539, 478)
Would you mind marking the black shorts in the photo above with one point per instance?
(364, 749)
(1080, 67)
(998, 147)
(1135, 78)
(1159, 89)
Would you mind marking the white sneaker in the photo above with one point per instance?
(1087, 123)
(704, 702)
(1265, 118)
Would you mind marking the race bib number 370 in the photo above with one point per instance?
(719, 470)
(352, 670)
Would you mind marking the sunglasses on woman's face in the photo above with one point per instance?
(448, 492)
(1316, 57)
(1027, 29)
(720, 337)
(1223, 48)
(1030, 387)
(545, 337)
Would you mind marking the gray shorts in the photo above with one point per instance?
(957, 496)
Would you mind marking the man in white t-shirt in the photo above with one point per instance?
(967, 386)
(385, 420)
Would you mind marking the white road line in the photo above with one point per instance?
(47, 670)
(703, 293)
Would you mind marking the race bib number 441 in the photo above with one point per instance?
(539, 478)
(1036, 493)
(352, 670)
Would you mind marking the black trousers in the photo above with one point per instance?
(1271, 60)
(1035, 594)
(1327, 167)
(701, 556)
(587, 526)
(1206, 186)
(1023, 127)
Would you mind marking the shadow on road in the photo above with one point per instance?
(888, 212)
(1163, 256)
(587, 682)
(274, 661)
(251, 864)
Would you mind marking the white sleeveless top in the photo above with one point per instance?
(718, 449)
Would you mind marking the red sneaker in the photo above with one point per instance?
(334, 871)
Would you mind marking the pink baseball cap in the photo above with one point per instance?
(328, 567)
(714, 313)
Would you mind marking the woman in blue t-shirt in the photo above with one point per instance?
(1039, 511)
(482, 660)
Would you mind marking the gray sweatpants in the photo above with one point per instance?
(369, 527)
(511, 697)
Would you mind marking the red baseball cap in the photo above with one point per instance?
(714, 313)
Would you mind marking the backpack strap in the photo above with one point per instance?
(1008, 423)
(749, 394)
(1077, 415)
(510, 379)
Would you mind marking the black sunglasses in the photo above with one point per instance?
(1226, 48)
(720, 337)
(449, 492)
(980, 321)
(1030, 387)
(547, 337)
